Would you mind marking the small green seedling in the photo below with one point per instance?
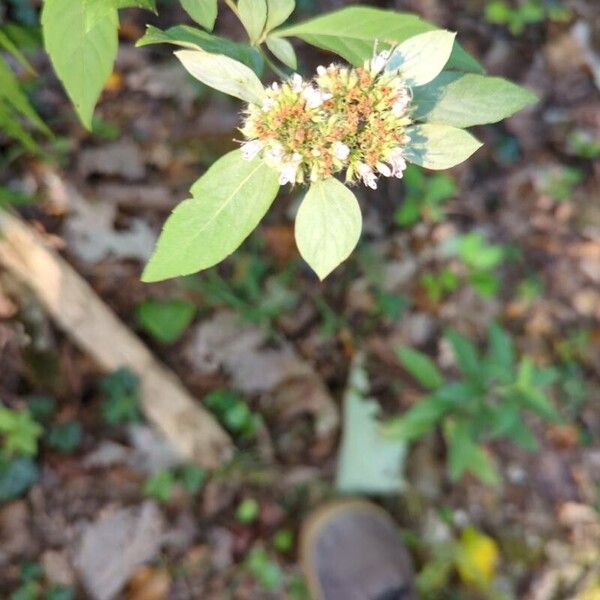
(560, 182)
(65, 437)
(425, 197)
(439, 285)
(283, 540)
(583, 144)
(166, 321)
(516, 17)
(264, 569)
(486, 403)
(481, 260)
(192, 478)
(160, 485)
(121, 397)
(247, 511)
(233, 412)
(19, 432)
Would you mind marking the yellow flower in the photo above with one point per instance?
(477, 558)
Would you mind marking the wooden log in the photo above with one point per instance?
(95, 328)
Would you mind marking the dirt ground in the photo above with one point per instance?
(534, 187)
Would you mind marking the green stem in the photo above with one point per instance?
(279, 72)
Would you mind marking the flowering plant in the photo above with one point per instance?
(406, 94)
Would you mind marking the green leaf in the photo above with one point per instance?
(465, 455)
(65, 437)
(223, 73)
(501, 350)
(466, 99)
(16, 477)
(10, 125)
(247, 511)
(465, 352)
(81, 38)
(147, 4)
(439, 146)
(421, 58)
(228, 203)
(278, 12)
(352, 32)
(11, 91)
(160, 485)
(420, 419)
(253, 15)
(191, 37)
(328, 225)
(204, 12)
(421, 367)
(7, 43)
(283, 50)
(165, 321)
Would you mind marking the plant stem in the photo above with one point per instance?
(279, 72)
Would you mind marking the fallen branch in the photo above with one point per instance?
(93, 326)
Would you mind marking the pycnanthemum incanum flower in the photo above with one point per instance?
(343, 120)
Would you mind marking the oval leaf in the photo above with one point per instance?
(466, 99)
(328, 225)
(352, 32)
(278, 12)
(223, 73)
(283, 50)
(204, 12)
(81, 38)
(229, 201)
(253, 15)
(421, 367)
(421, 58)
(197, 39)
(439, 146)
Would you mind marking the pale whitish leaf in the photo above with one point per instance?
(204, 12)
(328, 225)
(194, 38)
(439, 146)
(278, 12)
(253, 15)
(228, 202)
(81, 38)
(224, 74)
(465, 99)
(283, 50)
(422, 57)
(352, 32)
(367, 462)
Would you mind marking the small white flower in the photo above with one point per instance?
(297, 82)
(368, 176)
(379, 61)
(251, 149)
(275, 86)
(268, 104)
(315, 97)
(321, 70)
(399, 107)
(340, 150)
(384, 169)
(274, 154)
(398, 162)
